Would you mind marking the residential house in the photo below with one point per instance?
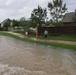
(6, 21)
(68, 28)
(69, 23)
(68, 19)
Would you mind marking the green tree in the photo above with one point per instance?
(38, 16)
(15, 23)
(48, 23)
(57, 10)
(22, 22)
(6, 26)
(25, 23)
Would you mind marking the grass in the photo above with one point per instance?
(66, 46)
(21, 32)
(59, 37)
(53, 37)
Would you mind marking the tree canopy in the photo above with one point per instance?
(26, 24)
(38, 16)
(57, 10)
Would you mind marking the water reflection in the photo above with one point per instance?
(23, 58)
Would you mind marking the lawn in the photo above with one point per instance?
(58, 37)
(62, 37)
(54, 37)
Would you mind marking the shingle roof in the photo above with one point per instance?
(68, 17)
(6, 20)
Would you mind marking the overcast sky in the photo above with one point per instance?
(15, 9)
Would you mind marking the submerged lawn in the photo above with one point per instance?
(66, 46)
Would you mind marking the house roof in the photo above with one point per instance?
(5, 21)
(68, 17)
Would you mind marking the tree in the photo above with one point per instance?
(6, 26)
(15, 23)
(25, 23)
(22, 21)
(38, 16)
(57, 10)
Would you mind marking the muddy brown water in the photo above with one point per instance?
(23, 58)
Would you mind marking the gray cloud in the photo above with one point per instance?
(71, 5)
(16, 9)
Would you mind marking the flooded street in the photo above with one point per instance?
(22, 58)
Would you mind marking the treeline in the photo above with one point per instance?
(39, 16)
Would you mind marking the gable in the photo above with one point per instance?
(68, 17)
(6, 21)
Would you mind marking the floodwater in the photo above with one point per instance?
(23, 58)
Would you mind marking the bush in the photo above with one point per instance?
(31, 32)
(21, 32)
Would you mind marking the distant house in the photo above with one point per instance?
(6, 21)
(68, 19)
(20, 28)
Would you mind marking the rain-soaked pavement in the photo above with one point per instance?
(24, 58)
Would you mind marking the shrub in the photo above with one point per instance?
(31, 32)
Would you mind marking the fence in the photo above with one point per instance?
(69, 30)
